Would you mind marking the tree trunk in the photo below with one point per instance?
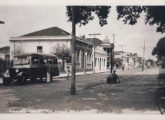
(48, 74)
(73, 76)
(112, 60)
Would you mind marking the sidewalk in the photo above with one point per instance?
(81, 73)
(118, 71)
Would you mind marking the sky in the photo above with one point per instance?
(22, 19)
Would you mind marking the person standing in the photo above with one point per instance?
(123, 66)
(68, 72)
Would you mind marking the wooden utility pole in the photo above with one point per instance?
(122, 47)
(73, 72)
(94, 34)
(113, 38)
(143, 56)
(113, 53)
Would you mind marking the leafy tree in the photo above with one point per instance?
(159, 51)
(160, 48)
(154, 15)
(150, 61)
(82, 15)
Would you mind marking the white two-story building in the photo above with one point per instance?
(55, 40)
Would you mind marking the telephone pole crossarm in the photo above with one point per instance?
(94, 34)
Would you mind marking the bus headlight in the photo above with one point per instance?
(7, 74)
(16, 70)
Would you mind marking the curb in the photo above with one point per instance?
(89, 73)
(82, 74)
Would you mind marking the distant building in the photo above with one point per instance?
(100, 54)
(109, 48)
(5, 52)
(130, 60)
(54, 40)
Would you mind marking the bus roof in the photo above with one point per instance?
(35, 54)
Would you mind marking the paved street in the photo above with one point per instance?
(137, 93)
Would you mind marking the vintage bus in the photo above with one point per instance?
(31, 67)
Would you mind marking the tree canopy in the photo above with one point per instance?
(154, 15)
(84, 14)
(160, 48)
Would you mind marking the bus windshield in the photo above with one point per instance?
(21, 61)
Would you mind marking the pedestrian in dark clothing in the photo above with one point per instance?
(115, 77)
(123, 66)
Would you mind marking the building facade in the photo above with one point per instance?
(129, 60)
(56, 41)
(100, 59)
(4, 53)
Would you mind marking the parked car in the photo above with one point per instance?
(30, 67)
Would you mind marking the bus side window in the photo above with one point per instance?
(49, 61)
(54, 61)
(45, 61)
(42, 61)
